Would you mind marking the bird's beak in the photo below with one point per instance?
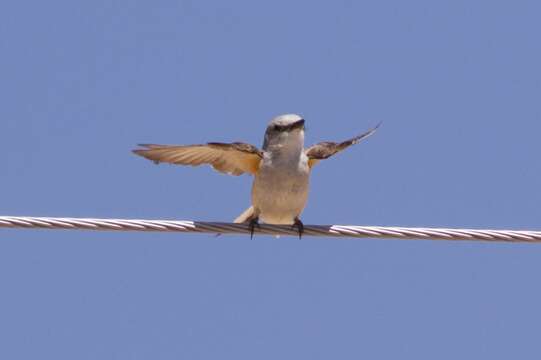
(298, 125)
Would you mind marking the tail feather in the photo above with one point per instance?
(246, 216)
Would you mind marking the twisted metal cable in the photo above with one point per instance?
(231, 228)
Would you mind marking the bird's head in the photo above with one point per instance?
(284, 131)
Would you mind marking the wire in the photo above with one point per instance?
(384, 232)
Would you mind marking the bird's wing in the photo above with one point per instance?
(326, 149)
(234, 159)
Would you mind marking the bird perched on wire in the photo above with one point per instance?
(281, 169)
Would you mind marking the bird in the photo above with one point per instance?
(281, 168)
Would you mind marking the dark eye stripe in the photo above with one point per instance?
(287, 127)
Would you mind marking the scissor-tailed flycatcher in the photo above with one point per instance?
(281, 169)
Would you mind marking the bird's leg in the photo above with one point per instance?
(252, 224)
(300, 226)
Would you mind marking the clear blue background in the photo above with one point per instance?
(457, 85)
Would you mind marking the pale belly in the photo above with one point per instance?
(279, 195)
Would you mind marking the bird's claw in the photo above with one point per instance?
(300, 226)
(252, 225)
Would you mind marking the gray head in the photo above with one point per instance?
(284, 131)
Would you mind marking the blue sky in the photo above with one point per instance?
(456, 84)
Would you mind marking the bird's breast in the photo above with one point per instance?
(280, 190)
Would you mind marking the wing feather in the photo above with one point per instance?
(230, 158)
(326, 149)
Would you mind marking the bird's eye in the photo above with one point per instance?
(278, 128)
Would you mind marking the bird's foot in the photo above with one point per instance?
(300, 226)
(252, 225)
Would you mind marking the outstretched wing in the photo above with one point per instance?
(326, 149)
(234, 159)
